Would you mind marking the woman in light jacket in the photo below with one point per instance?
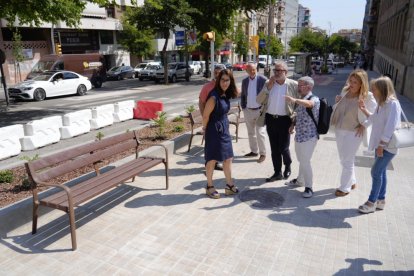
(350, 125)
(385, 120)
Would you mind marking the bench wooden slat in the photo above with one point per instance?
(68, 154)
(97, 185)
(84, 160)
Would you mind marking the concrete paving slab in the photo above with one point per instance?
(141, 229)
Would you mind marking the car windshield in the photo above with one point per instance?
(142, 65)
(152, 67)
(172, 66)
(43, 77)
(42, 66)
(113, 69)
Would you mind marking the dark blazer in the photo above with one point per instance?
(261, 80)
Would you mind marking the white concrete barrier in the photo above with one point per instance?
(10, 140)
(102, 116)
(39, 133)
(123, 111)
(76, 123)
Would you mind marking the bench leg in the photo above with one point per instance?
(237, 133)
(72, 228)
(35, 216)
(189, 144)
(166, 176)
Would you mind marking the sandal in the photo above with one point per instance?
(231, 190)
(211, 192)
(367, 208)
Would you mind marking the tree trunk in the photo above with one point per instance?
(164, 54)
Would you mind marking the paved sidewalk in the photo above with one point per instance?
(141, 229)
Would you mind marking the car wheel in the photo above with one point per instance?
(141, 79)
(173, 79)
(81, 90)
(187, 78)
(39, 94)
(119, 77)
(97, 83)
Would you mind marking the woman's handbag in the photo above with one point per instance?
(403, 137)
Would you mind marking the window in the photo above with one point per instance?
(68, 76)
(106, 37)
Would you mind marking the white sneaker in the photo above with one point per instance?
(294, 182)
(380, 204)
(367, 208)
(307, 193)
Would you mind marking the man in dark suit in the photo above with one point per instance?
(251, 86)
(278, 115)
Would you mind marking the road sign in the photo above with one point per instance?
(179, 38)
(262, 43)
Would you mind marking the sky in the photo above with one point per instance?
(335, 14)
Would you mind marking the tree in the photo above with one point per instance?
(138, 42)
(241, 41)
(341, 46)
(308, 41)
(35, 12)
(162, 17)
(17, 53)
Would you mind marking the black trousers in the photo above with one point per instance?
(279, 137)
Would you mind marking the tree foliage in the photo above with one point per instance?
(308, 41)
(138, 42)
(241, 41)
(35, 12)
(341, 46)
(162, 17)
(275, 46)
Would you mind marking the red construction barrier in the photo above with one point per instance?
(147, 110)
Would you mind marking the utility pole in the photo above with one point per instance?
(270, 24)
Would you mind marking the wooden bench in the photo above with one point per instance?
(196, 120)
(235, 118)
(43, 171)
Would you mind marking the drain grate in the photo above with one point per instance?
(261, 198)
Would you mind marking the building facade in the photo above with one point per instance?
(394, 49)
(304, 15)
(97, 33)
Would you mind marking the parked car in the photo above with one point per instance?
(50, 84)
(240, 66)
(139, 67)
(148, 73)
(228, 66)
(176, 70)
(196, 66)
(91, 66)
(120, 73)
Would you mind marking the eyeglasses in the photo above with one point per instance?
(225, 80)
(279, 70)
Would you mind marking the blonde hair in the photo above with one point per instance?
(385, 88)
(362, 76)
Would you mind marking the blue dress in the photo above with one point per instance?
(217, 136)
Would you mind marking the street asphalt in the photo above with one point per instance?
(139, 228)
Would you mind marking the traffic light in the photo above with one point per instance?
(278, 28)
(209, 36)
(58, 48)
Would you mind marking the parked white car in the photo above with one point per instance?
(196, 66)
(51, 84)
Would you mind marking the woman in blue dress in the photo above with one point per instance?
(218, 145)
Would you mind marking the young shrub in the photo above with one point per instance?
(28, 158)
(6, 176)
(178, 119)
(179, 128)
(99, 136)
(160, 122)
(190, 108)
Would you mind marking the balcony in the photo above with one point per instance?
(371, 19)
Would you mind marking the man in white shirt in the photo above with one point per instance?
(278, 116)
(251, 86)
